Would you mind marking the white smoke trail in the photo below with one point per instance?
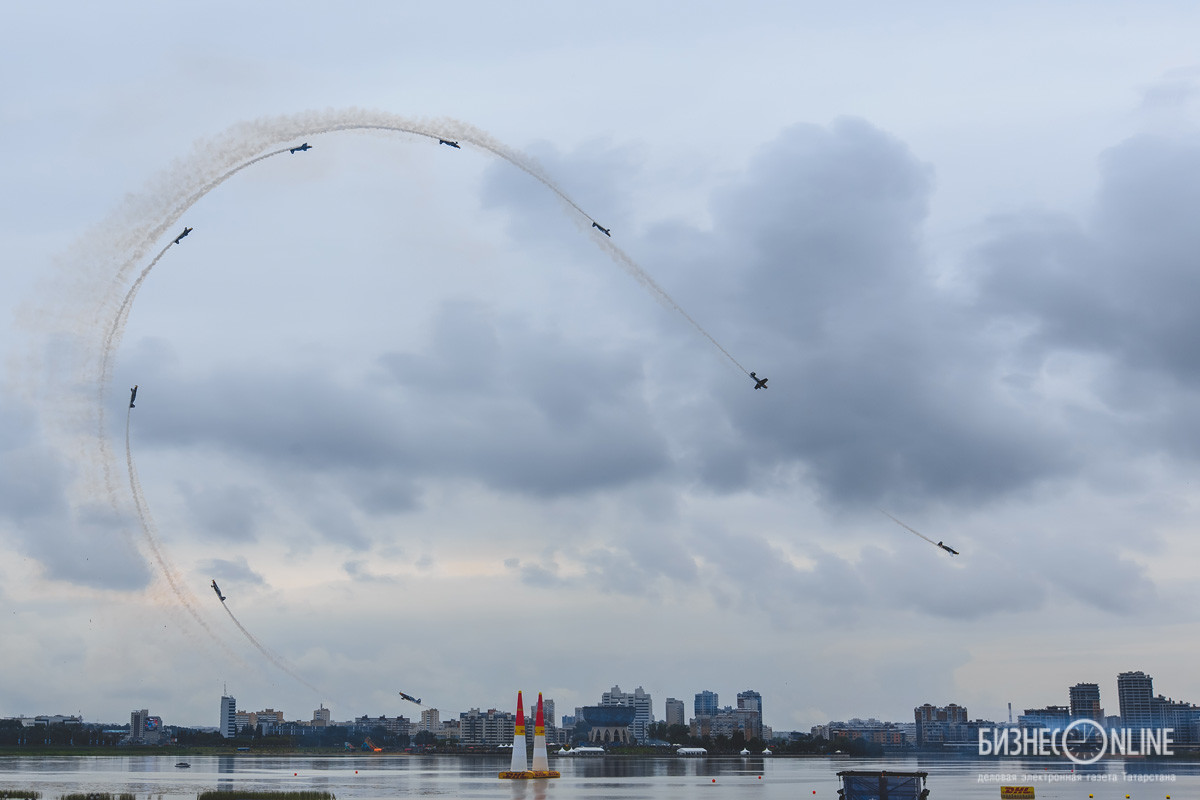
(185, 598)
(244, 149)
(85, 323)
(622, 258)
(910, 530)
(110, 346)
(178, 588)
(274, 659)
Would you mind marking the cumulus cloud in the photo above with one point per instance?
(562, 457)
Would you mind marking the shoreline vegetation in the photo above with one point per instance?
(217, 794)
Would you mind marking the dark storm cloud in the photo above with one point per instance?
(543, 416)
(632, 561)
(488, 400)
(762, 577)
(226, 512)
(89, 544)
(882, 385)
(1121, 288)
(92, 546)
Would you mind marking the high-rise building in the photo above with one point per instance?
(750, 700)
(137, 724)
(492, 728)
(143, 728)
(643, 706)
(939, 725)
(1085, 702)
(267, 716)
(400, 726)
(1050, 717)
(228, 723)
(706, 703)
(676, 713)
(431, 720)
(321, 717)
(749, 705)
(1135, 690)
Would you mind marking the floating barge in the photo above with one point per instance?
(882, 785)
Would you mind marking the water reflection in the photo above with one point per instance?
(530, 790)
(385, 777)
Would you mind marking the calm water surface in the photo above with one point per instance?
(382, 776)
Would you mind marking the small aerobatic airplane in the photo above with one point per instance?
(759, 383)
(132, 395)
(602, 230)
(410, 698)
(301, 148)
(449, 143)
(217, 589)
(186, 231)
(948, 549)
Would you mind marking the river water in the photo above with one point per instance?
(375, 777)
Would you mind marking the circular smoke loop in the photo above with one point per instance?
(92, 301)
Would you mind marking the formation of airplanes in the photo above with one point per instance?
(759, 383)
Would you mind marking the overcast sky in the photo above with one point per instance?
(429, 434)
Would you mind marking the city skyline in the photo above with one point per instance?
(430, 430)
(1134, 689)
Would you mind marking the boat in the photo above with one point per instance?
(182, 764)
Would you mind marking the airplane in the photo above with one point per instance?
(948, 549)
(449, 143)
(132, 395)
(759, 383)
(301, 148)
(602, 230)
(410, 698)
(217, 589)
(186, 231)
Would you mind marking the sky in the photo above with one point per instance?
(432, 432)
